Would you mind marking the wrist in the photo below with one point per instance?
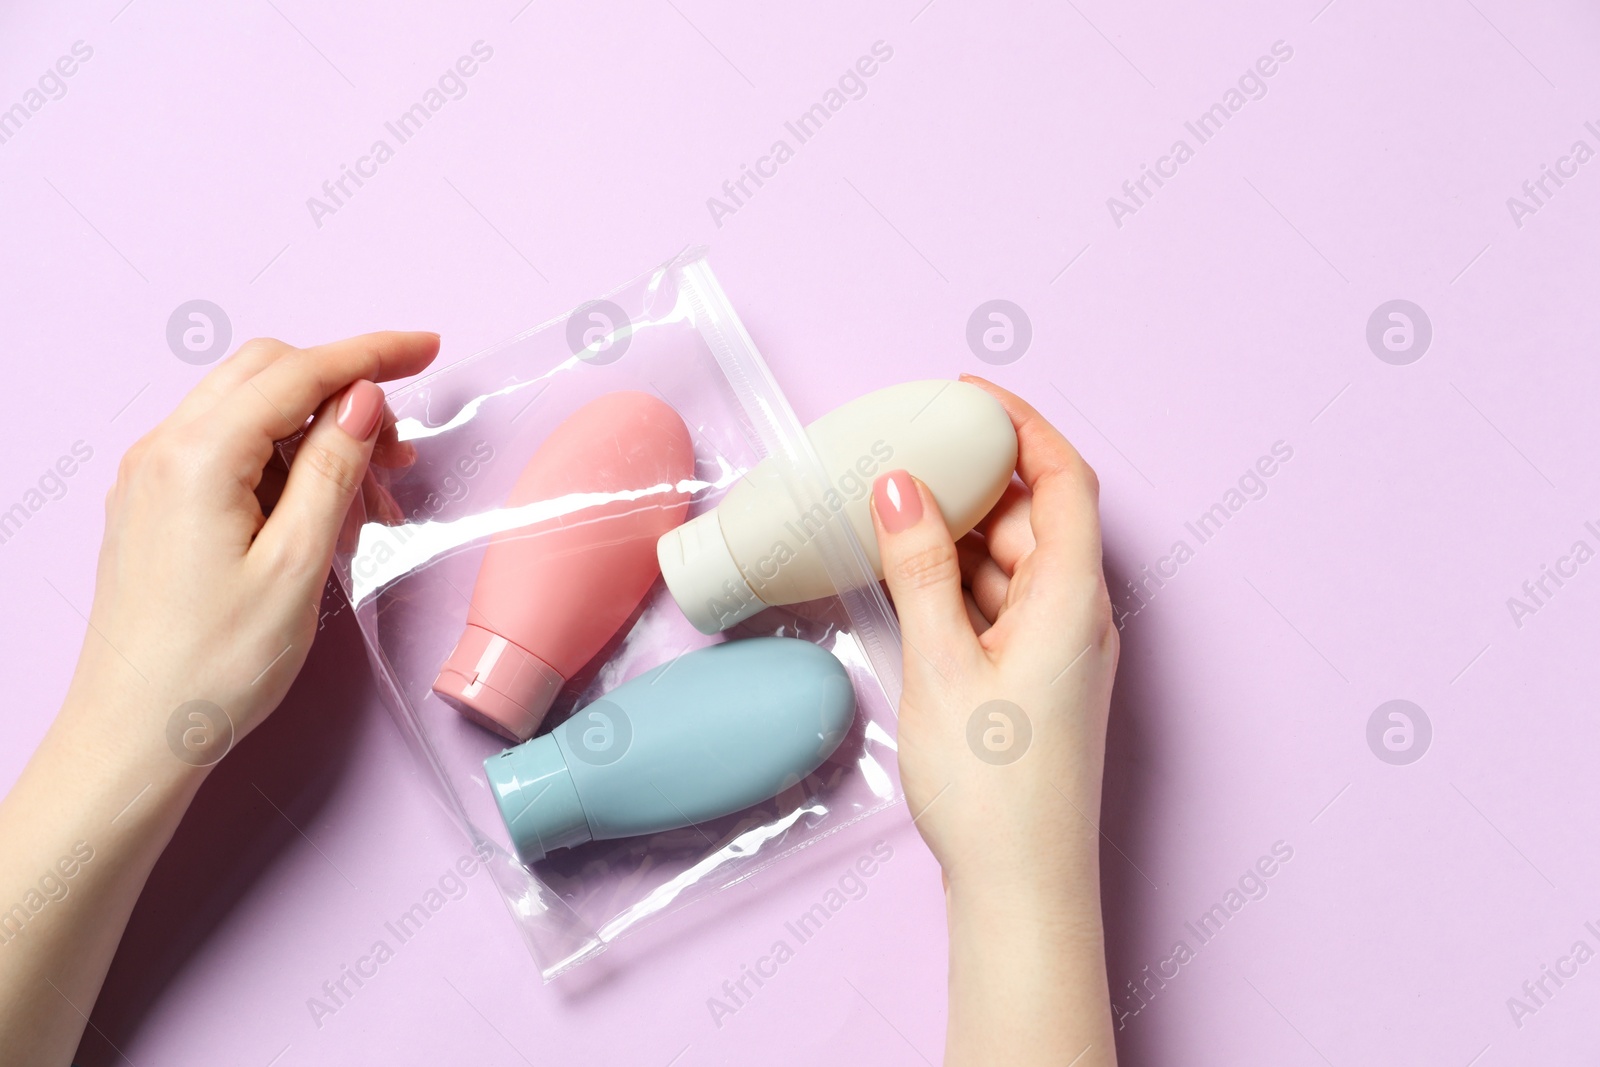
(83, 797)
(116, 748)
(1062, 899)
(1027, 971)
(1045, 853)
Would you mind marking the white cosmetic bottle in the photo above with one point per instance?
(757, 548)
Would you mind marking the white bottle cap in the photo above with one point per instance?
(703, 577)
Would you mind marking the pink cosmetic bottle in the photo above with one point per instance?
(604, 486)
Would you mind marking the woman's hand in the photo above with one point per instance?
(200, 596)
(206, 599)
(1010, 652)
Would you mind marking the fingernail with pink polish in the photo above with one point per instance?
(359, 410)
(898, 502)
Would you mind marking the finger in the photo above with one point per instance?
(1008, 527)
(971, 549)
(989, 586)
(324, 479)
(982, 577)
(922, 568)
(1060, 585)
(1064, 514)
(975, 614)
(276, 402)
(248, 360)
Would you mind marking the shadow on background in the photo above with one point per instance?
(1126, 891)
(232, 832)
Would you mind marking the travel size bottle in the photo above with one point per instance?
(758, 546)
(600, 490)
(699, 737)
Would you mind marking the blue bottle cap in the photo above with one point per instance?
(533, 787)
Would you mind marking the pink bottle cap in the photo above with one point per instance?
(497, 684)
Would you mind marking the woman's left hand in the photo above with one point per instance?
(213, 562)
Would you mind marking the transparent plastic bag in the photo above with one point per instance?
(408, 573)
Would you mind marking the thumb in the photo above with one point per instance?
(923, 570)
(325, 478)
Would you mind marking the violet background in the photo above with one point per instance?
(1228, 313)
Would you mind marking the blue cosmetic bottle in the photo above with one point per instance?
(699, 737)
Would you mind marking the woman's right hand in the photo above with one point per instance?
(1010, 652)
